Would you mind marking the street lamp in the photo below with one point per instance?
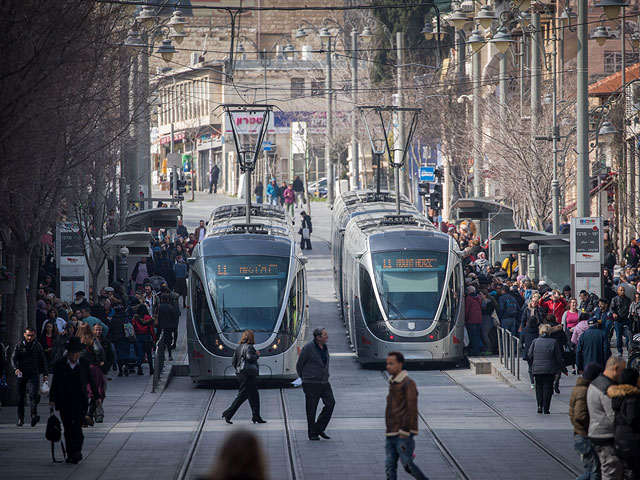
(289, 51)
(177, 21)
(600, 35)
(476, 40)
(366, 35)
(458, 18)
(427, 31)
(612, 7)
(607, 132)
(147, 16)
(166, 50)
(485, 16)
(502, 40)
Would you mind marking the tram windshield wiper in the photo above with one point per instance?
(226, 315)
(395, 309)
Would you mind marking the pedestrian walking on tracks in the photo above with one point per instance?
(71, 376)
(546, 360)
(245, 361)
(29, 362)
(401, 417)
(313, 369)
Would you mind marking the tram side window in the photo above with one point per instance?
(204, 322)
(368, 298)
(450, 310)
(291, 313)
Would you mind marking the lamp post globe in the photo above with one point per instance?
(502, 40)
(611, 7)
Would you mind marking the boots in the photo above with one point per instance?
(140, 370)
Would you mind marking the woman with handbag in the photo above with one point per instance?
(245, 361)
(305, 231)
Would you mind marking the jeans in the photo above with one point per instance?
(305, 243)
(248, 390)
(486, 339)
(144, 344)
(31, 383)
(289, 208)
(544, 390)
(259, 198)
(509, 324)
(273, 199)
(299, 198)
(621, 329)
(475, 337)
(396, 447)
(529, 362)
(611, 467)
(589, 458)
(313, 392)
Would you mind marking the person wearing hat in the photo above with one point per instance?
(593, 346)
(80, 302)
(68, 395)
(579, 415)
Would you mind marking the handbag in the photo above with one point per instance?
(247, 368)
(129, 332)
(306, 234)
(496, 319)
(53, 433)
(44, 388)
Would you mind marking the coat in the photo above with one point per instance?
(249, 353)
(601, 414)
(529, 334)
(472, 310)
(625, 401)
(593, 346)
(545, 356)
(620, 306)
(556, 308)
(401, 414)
(310, 367)
(29, 359)
(590, 304)
(289, 196)
(168, 316)
(578, 411)
(539, 312)
(65, 398)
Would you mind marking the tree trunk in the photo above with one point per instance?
(33, 286)
(17, 319)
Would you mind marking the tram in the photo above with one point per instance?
(247, 276)
(402, 288)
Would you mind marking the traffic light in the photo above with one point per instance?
(423, 189)
(435, 200)
(181, 183)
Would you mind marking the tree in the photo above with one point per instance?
(56, 88)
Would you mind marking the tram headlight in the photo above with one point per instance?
(274, 346)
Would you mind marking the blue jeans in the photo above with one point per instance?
(509, 324)
(144, 344)
(621, 329)
(403, 448)
(258, 198)
(273, 199)
(589, 458)
(475, 337)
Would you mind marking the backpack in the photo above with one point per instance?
(53, 433)
(511, 307)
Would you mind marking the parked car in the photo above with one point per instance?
(319, 188)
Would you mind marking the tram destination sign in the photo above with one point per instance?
(241, 269)
(407, 261)
(587, 240)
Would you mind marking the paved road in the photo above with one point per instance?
(148, 435)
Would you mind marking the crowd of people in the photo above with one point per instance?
(117, 332)
(559, 330)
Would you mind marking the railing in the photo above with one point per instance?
(509, 350)
(158, 362)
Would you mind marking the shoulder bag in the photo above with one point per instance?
(246, 367)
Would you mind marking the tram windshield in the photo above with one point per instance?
(410, 285)
(247, 290)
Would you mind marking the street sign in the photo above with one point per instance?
(427, 174)
(587, 254)
(266, 145)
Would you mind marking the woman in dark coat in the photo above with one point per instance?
(245, 361)
(306, 223)
(546, 360)
(625, 400)
(529, 334)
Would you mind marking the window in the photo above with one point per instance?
(613, 61)
(317, 88)
(297, 87)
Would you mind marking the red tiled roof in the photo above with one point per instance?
(610, 84)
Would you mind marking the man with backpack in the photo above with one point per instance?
(508, 309)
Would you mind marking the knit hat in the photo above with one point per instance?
(591, 371)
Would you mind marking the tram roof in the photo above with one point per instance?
(355, 199)
(265, 219)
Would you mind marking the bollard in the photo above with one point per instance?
(518, 344)
(499, 335)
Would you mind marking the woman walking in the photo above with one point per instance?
(529, 334)
(94, 354)
(289, 199)
(305, 231)
(181, 271)
(545, 356)
(245, 361)
(145, 337)
(48, 340)
(488, 308)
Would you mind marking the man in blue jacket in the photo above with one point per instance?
(593, 346)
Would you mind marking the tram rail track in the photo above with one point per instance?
(185, 470)
(528, 435)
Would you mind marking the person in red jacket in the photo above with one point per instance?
(473, 319)
(556, 305)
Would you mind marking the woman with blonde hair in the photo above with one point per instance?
(245, 361)
(94, 353)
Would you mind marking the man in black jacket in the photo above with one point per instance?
(620, 312)
(306, 223)
(313, 369)
(588, 302)
(68, 395)
(168, 318)
(29, 362)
